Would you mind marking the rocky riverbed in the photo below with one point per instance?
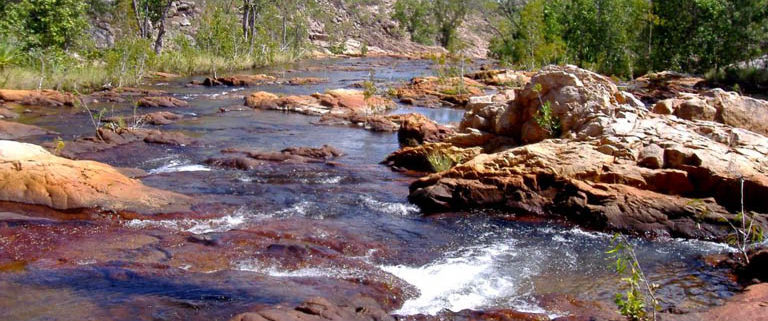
(264, 197)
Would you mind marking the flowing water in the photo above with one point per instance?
(285, 232)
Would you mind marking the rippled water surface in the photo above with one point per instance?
(353, 215)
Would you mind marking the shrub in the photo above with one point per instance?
(440, 162)
(639, 301)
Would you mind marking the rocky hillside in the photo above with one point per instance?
(335, 26)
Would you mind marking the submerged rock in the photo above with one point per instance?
(32, 175)
(250, 159)
(14, 130)
(161, 101)
(749, 305)
(107, 138)
(38, 98)
(320, 309)
(156, 118)
(615, 166)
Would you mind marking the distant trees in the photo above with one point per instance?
(628, 37)
(45, 24)
(431, 21)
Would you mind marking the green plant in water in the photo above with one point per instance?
(440, 162)
(639, 301)
(369, 86)
(544, 117)
(58, 146)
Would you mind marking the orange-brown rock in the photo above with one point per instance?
(38, 98)
(240, 80)
(615, 167)
(417, 158)
(302, 81)
(502, 77)
(337, 101)
(32, 175)
(434, 91)
(729, 108)
(417, 129)
(161, 101)
(654, 87)
(156, 118)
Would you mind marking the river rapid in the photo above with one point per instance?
(283, 233)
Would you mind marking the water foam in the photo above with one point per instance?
(309, 272)
(467, 279)
(202, 226)
(179, 166)
(402, 209)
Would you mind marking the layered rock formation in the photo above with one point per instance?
(436, 92)
(728, 108)
(29, 174)
(337, 101)
(38, 97)
(611, 165)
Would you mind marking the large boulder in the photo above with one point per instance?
(577, 99)
(616, 166)
(29, 174)
(416, 129)
(729, 108)
(161, 101)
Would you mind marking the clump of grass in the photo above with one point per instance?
(440, 162)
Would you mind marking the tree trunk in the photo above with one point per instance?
(246, 18)
(138, 19)
(161, 28)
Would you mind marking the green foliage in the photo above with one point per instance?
(544, 117)
(638, 302)
(415, 16)
(630, 37)
(430, 21)
(44, 23)
(9, 53)
(369, 86)
(440, 162)
(58, 146)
